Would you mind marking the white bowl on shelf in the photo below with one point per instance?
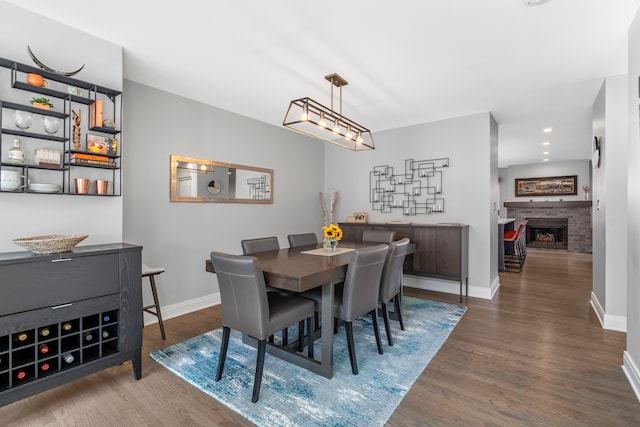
(45, 188)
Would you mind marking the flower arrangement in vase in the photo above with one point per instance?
(586, 189)
(332, 233)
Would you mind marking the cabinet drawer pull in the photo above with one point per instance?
(61, 259)
(61, 306)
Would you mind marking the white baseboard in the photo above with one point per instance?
(446, 286)
(630, 369)
(185, 307)
(597, 308)
(608, 321)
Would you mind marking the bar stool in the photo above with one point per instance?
(151, 272)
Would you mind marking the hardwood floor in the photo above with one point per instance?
(534, 356)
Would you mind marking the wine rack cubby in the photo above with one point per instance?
(37, 353)
(65, 316)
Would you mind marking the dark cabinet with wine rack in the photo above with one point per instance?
(64, 316)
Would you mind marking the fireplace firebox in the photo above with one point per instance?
(548, 233)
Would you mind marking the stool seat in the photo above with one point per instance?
(154, 308)
(147, 271)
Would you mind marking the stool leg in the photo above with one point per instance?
(155, 300)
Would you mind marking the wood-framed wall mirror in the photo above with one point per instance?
(208, 181)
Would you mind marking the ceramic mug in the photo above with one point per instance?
(11, 180)
(37, 80)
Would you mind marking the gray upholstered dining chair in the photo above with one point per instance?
(391, 283)
(249, 308)
(305, 239)
(358, 295)
(263, 244)
(378, 236)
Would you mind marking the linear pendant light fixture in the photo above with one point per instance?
(314, 119)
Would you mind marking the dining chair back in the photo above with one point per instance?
(391, 283)
(360, 294)
(263, 244)
(249, 308)
(378, 236)
(305, 239)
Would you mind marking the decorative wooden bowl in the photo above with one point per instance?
(50, 244)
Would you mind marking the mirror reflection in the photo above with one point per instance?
(198, 180)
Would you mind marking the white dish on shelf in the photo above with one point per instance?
(398, 222)
(45, 188)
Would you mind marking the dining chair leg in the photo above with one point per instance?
(376, 330)
(223, 351)
(398, 310)
(285, 337)
(352, 351)
(300, 335)
(310, 328)
(385, 317)
(257, 382)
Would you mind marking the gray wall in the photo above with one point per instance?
(180, 236)
(632, 354)
(27, 215)
(610, 199)
(469, 185)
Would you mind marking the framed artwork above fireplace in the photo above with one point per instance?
(547, 186)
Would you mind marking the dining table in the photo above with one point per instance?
(301, 269)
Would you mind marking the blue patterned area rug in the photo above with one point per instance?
(293, 396)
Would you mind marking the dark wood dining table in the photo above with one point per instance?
(293, 270)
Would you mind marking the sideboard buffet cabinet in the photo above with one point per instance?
(442, 250)
(64, 316)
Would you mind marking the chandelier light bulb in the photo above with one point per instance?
(336, 128)
(305, 113)
(321, 122)
(359, 138)
(349, 135)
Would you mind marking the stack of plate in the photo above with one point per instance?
(45, 188)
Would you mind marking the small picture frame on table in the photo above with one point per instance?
(360, 217)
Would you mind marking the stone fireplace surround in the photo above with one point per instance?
(577, 212)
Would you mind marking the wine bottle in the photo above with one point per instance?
(88, 337)
(21, 374)
(44, 349)
(44, 332)
(22, 336)
(105, 334)
(106, 318)
(68, 358)
(45, 366)
(67, 326)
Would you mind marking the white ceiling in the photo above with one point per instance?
(407, 61)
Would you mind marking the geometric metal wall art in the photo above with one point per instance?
(417, 190)
(258, 188)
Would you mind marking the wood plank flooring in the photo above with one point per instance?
(533, 356)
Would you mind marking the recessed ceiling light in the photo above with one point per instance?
(545, 160)
(545, 153)
(547, 130)
(546, 143)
